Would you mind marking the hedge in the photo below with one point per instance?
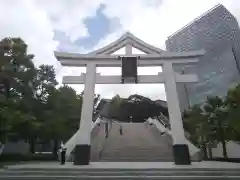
(28, 157)
(221, 159)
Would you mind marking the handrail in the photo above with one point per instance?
(193, 149)
(164, 121)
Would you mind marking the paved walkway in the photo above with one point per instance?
(129, 165)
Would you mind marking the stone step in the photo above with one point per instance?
(139, 141)
(122, 172)
(150, 158)
(116, 171)
(134, 153)
(162, 174)
(170, 167)
(135, 160)
(135, 157)
(134, 177)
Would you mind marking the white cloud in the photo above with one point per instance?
(151, 20)
(154, 23)
(35, 21)
(32, 25)
(67, 16)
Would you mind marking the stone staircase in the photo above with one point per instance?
(139, 142)
(97, 141)
(54, 172)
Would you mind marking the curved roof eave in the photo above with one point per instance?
(127, 38)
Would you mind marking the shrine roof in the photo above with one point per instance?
(127, 38)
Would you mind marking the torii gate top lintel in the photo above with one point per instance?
(103, 57)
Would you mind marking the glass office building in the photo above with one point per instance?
(217, 31)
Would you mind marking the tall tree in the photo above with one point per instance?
(115, 107)
(17, 68)
(62, 115)
(44, 82)
(233, 104)
(196, 122)
(217, 114)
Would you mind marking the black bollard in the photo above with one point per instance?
(63, 156)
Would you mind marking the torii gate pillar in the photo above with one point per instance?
(83, 144)
(180, 147)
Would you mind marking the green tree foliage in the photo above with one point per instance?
(115, 107)
(196, 123)
(18, 71)
(215, 121)
(135, 108)
(34, 110)
(233, 104)
(61, 115)
(217, 114)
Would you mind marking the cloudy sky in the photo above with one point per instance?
(85, 25)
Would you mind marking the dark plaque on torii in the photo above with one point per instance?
(129, 69)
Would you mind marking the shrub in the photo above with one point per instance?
(27, 157)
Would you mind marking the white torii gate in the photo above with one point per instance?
(154, 57)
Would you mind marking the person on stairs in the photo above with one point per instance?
(121, 130)
(106, 130)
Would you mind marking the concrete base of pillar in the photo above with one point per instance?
(181, 154)
(82, 154)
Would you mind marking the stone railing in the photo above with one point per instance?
(192, 148)
(70, 144)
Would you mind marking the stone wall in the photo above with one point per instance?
(20, 147)
(233, 149)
